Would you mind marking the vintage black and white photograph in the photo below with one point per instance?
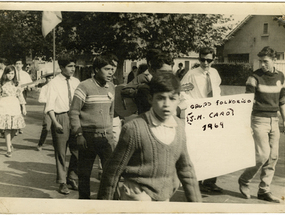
(142, 107)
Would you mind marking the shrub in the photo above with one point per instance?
(233, 74)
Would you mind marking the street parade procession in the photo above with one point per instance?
(131, 107)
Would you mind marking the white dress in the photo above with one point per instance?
(10, 110)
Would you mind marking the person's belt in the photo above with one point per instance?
(61, 113)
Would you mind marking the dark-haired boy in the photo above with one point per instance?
(267, 84)
(59, 98)
(91, 118)
(152, 152)
(157, 62)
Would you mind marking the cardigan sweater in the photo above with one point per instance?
(92, 108)
(140, 157)
(269, 90)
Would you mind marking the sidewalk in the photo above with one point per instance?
(31, 174)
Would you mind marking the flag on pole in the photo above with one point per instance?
(50, 20)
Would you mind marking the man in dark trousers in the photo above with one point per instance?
(91, 117)
(59, 97)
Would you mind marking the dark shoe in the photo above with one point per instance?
(20, 131)
(203, 188)
(244, 189)
(213, 187)
(73, 183)
(268, 197)
(8, 154)
(63, 189)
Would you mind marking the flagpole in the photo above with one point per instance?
(53, 31)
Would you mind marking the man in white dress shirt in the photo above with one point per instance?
(203, 82)
(59, 97)
(23, 77)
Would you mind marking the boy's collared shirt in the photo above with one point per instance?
(57, 94)
(164, 131)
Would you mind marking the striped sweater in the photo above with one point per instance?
(269, 90)
(140, 157)
(92, 107)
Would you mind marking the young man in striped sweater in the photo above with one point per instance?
(267, 84)
(91, 118)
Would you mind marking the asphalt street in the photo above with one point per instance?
(31, 174)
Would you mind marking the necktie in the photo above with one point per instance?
(69, 92)
(209, 86)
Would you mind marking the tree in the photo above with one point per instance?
(129, 35)
(280, 20)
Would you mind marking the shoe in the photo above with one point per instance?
(73, 183)
(213, 188)
(39, 148)
(8, 154)
(203, 188)
(20, 131)
(244, 189)
(63, 189)
(268, 197)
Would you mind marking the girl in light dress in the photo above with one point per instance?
(12, 106)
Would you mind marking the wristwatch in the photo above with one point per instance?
(79, 134)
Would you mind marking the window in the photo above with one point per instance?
(280, 56)
(238, 58)
(265, 28)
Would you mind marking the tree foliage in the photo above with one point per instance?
(128, 35)
(280, 20)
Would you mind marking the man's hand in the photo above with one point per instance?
(81, 142)
(58, 128)
(187, 87)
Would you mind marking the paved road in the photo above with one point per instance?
(31, 174)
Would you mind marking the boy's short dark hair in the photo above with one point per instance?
(66, 59)
(267, 51)
(134, 67)
(180, 64)
(104, 60)
(157, 60)
(207, 50)
(4, 61)
(164, 82)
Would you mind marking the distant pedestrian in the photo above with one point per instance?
(59, 97)
(46, 120)
(91, 117)
(151, 154)
(12, 106)
(132, 74)
(181, 71)
(268, 86)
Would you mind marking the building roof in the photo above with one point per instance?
(238, 27)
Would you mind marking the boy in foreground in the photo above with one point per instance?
(152, 152)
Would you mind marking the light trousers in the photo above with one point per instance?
(266, 136)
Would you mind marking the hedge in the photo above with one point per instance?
(234, 74)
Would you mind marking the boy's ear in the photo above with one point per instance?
(149, 98)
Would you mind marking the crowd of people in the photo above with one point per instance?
(150, 157)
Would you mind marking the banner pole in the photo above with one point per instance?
(53, 52)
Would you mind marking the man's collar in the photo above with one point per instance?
(170, 123)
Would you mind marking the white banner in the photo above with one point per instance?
(219, 137)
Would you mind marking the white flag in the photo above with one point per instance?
(50, 19)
